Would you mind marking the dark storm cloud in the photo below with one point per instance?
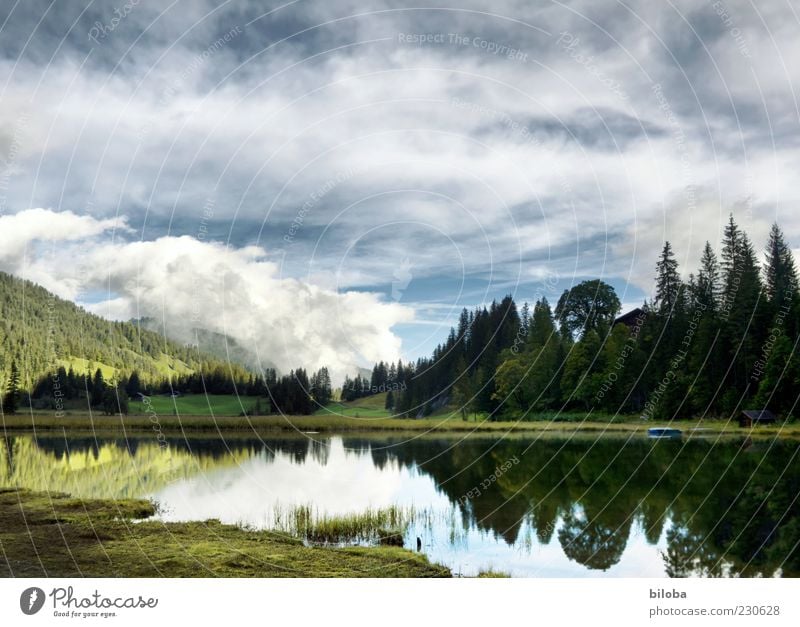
(518, 136)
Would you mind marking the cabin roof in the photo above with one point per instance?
(759, 414)
(629, 317)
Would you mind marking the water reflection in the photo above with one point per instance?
(575, 507)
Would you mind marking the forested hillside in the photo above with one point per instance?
(41, 332)
(53, 351)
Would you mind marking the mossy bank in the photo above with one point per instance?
(54, 535)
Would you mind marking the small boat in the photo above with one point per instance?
(663, 432)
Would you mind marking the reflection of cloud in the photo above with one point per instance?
(344, 483)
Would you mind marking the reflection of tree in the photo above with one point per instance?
(711, 489)
(654, 516)
(590, 542)
(7, 457)
(689, 555)
(103, 469)
(320, 451)
(545, 516)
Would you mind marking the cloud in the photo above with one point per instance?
(31, 227)
(185, 284)
(470, 164)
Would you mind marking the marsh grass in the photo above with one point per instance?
(371, 526)
(491, 573)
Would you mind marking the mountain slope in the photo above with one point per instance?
(41, 332)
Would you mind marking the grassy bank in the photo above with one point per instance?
(58, 536)
(373, 406)
(332, 423)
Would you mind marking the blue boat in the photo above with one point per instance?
(664, 432)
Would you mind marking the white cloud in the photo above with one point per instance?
(144, 136)
(188, 283)
(32, 227)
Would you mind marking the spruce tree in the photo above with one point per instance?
(707, 290)
(134, 384)
(11, 398)
(98, 388)
(730, 264)
(668, 282)
(780, 273)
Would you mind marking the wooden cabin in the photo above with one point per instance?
(752, 417)
(632, 319)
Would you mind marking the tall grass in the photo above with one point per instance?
(371, 526)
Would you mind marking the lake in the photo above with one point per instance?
(528, 506)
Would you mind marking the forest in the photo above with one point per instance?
(721, 341)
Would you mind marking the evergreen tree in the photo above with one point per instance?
(779, 387)
(668, 282)
(134, 386)
(780, 273)
(98, 390)
(115, 401)
(524, 318)
(707, 288)
(731, 264)
(542, 327)
(321, 389)
(11, 398)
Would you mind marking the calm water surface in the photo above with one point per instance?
(529, 507)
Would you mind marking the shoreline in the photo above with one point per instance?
(319, 424)
(56, 535)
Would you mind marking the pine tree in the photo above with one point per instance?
(743, 315)
(134, 385)
(779, 387)
(524, 318)
(98, 388)
(542, 327)
(321, 389)
(707, 290)
(730, 265)
(11, 398)
(780, 273)
(668, 282)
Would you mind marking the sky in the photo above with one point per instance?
(331, 182)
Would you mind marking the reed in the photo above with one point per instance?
(371, 526)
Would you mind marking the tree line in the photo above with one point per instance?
(292, 393)
(721, 341)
